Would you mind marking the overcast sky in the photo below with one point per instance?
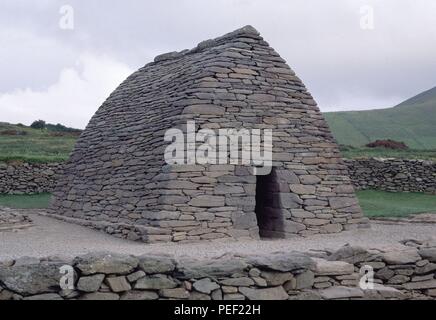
(63, 75)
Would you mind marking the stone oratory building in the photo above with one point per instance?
(118, 181)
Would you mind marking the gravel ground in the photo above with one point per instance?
(50, 237)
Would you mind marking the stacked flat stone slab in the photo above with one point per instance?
(117, 180)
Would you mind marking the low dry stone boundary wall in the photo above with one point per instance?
(28, 178)
(394, 175)
(11, 220)
(406, 273)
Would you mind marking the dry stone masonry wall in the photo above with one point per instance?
(117, 181)
(406, 273)
(12, 220)
(28, 178)
(394, 175)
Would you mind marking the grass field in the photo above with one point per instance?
(374, 203)
(387, 204)
(352, 153)
(34, 201)
(34, 145)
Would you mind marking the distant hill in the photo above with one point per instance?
(412, 121)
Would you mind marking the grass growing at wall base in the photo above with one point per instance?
(33, 201)
(377, 203)
(373, 202)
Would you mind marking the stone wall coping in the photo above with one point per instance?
(403, 271)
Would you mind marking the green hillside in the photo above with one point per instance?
(413, 122)
(19, 142)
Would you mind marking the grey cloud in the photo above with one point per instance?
(344, 66)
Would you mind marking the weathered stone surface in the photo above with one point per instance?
(306, 295)
(275, 293)
(304, 280)
(205, 285)
(100, 296)
(45, 296)
(430, 267)
(118, 284)
(238, 282)
(276, 278)
(196, 269)
(216, 294)
(233, 296)
(285, 262)
(287, 176)
(140, 295)
(385, 292)
(332, 228)
(177, 293)
(6, 295)
(106, 263)
(199, 296)
(90, 283)
(316, 222)
(430, 284)
(342, 202)
(302, 189)
(258, 97)
(401, 257)
(341, 292)
(309, 179)
(428, 253)
(431, 292)
(350, 254)
(31, 279)
(208, 201)
(205, 109)
(398, 279)
(158, 281)
(156, 264)
(135, 276)
(324, 267)
(292, 227)
(384, 274)
(290, 201)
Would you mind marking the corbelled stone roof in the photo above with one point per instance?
(117, 180)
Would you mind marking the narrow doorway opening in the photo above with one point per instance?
(268, 212)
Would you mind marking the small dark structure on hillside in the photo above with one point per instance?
(388, 144)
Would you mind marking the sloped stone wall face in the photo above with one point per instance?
(394, 175)
(28, 178)
(407, 273)
(117, 180)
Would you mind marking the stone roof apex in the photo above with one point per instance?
(247, 31)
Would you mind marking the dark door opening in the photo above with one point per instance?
(268, 212)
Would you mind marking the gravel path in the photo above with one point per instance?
(50, 237)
